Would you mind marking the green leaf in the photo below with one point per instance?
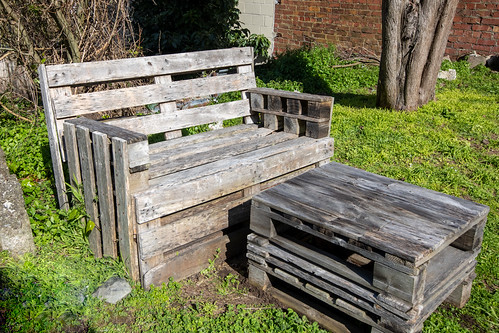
(90, 226)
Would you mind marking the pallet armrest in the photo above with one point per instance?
(138, 146)
(297, 113)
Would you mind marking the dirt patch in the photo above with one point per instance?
(225, 286)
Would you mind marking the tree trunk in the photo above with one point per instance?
(415, 34)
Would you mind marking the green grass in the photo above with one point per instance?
(450, 145)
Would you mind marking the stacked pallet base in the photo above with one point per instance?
(326, 272)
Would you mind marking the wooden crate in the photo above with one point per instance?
(385, 252)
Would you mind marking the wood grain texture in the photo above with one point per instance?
(290, 94)
(180, 119)
(221, 149)
(72, 155)
(167, 107)
(111, 131)
(108, 100)
(105, 191)
(124, 69)
(89, 187)
(54, 144)
(199, 138)
(124, 207)
(218, 178)
(399, 218)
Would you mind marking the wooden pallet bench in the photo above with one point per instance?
(166, 207)
(382, 251)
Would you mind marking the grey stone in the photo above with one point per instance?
(476, 59)
(449, 75)
(15, 230)
(113, 290)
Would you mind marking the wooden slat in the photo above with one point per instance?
(55, 93)
(191, 259)
(219, 178)
(123, 69)
(124, 207)
(158, 123)
(289, 115)
(129, 136)
(72, 155)
(217, 153)
(54, 144)
(290, 94)
(271, 121)
(89, 187)
(253, 118)
(115, 99)
(168, 107)
(189, 151)
(188, 226)
(199, 138)
(101, 146)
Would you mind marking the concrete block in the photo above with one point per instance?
(15, 230)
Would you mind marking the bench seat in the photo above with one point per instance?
(222, 165)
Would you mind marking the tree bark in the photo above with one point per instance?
(414, 38)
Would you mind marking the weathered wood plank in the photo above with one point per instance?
(72, 155)
(54, 144)
(105, 191)
(460, 296)
(168, 107)
(204, 156)
(324, 318)
(124, 207)
(409, 288)
(471, 239)
(272, 121)
(89, 187)
(363, 213)
(258, 277)
(319, 216)
(189, 151)
(124, 69)
(218, 178)
(290, 94)
(190, 260)
(111, 131)
(281, 113)
(293, 125)
(253, 117)
(115, 99)
(187, 227)
(157, 148)
(162, 122)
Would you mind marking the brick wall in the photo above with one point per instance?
(357, 24)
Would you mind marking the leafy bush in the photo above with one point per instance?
(189, 25)
(314, 70)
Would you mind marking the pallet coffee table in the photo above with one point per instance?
(338, 240)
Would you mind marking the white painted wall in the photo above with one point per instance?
(258, 17)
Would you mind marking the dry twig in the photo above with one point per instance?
(15, 114)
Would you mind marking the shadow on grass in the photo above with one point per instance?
(314, 72)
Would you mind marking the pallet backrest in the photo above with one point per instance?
(98, 89)
(165, 79)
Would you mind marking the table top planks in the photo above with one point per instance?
(401, 219)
